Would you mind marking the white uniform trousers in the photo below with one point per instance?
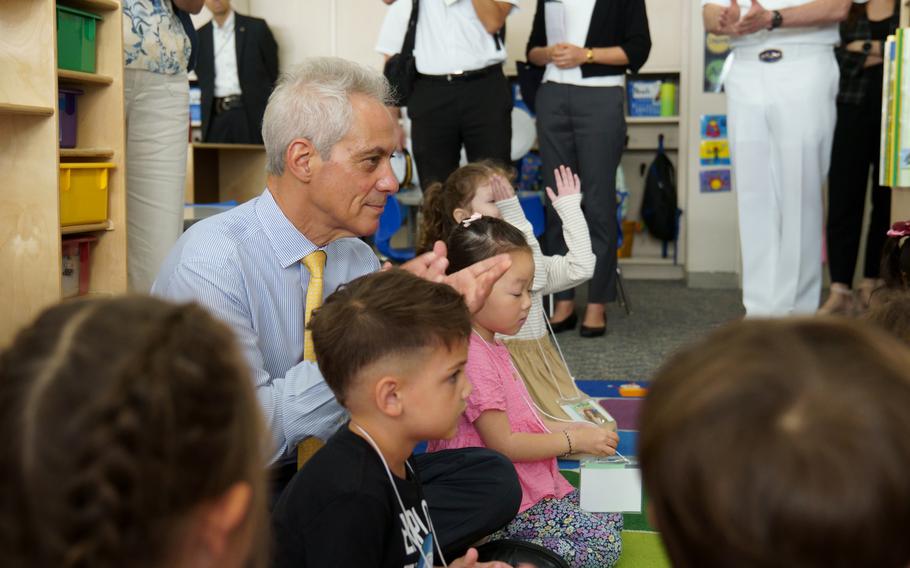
(781, 125)
(157, 133)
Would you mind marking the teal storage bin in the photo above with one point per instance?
(76, 39)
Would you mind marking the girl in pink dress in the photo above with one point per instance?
(500, 413)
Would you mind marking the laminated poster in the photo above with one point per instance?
(713, 126)
(714, 181)
(714, 153)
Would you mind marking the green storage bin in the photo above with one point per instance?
(76, 39)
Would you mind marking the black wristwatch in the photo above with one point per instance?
(867, 47)
(776, 19)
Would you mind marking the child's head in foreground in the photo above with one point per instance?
(782, 443)
(467, 190)
(392, 347)
(507, 306)
(133, 438)
(890, 310)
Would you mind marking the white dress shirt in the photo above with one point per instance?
(826, 34)
(227, 82)
(577, 21)
(451, 38)
(394, 27)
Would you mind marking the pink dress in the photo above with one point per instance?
(497, 387)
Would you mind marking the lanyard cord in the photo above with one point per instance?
(517, 376)
(388, 471)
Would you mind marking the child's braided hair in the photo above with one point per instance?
(120, 417)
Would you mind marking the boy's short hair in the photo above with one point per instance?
(782, 443)
(384, 314)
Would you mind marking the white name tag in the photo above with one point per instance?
(611, 485)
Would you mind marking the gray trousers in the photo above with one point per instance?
(585, 129)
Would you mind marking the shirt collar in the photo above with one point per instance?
(288, 243)
(228, 23)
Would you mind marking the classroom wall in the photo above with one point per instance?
(348, 28)
(712, 247)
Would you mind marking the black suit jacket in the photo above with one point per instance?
(257, 69)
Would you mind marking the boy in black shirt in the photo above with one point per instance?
(392, 348)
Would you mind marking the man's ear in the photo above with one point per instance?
(302, 159)
(222, 517)
(460, 214)
(388, 396)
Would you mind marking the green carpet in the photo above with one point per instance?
(642, 550)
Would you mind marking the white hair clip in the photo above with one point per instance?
(467, 222)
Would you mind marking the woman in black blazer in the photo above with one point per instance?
(581, 123)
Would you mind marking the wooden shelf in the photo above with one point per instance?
(216, 146)
(73, 229)
(86, 153)
(103, 5)
(657, 71)
(34, 110)
(652, 120)
(83, 78)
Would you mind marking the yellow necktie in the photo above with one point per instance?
(315, 263)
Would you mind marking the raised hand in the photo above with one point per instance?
(567, 183)
(501, 188)
(756, 19)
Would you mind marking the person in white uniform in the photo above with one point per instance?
(781, 89)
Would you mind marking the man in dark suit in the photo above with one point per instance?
(237, 67)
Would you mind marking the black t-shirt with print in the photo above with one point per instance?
(340, 510)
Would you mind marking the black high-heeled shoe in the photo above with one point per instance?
(586, 331)
(565, 325)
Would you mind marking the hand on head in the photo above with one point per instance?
(567, 183)
(501, 188)
(476, 281)
(430, 265)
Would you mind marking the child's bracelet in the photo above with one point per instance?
(569, 440)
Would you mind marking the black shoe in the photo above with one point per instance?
(565, 325)
(586, 331)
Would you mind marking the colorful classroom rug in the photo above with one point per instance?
(641, 544)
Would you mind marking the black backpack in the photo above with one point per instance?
(659, 206)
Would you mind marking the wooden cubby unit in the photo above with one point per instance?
(30, 231)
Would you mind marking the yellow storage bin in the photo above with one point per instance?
(83, 192)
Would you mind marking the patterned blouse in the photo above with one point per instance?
(153, 37)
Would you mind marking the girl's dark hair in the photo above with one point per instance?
(481, 239)
(120, 417)
(781, 443)
(895, 270)
(440, 200)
